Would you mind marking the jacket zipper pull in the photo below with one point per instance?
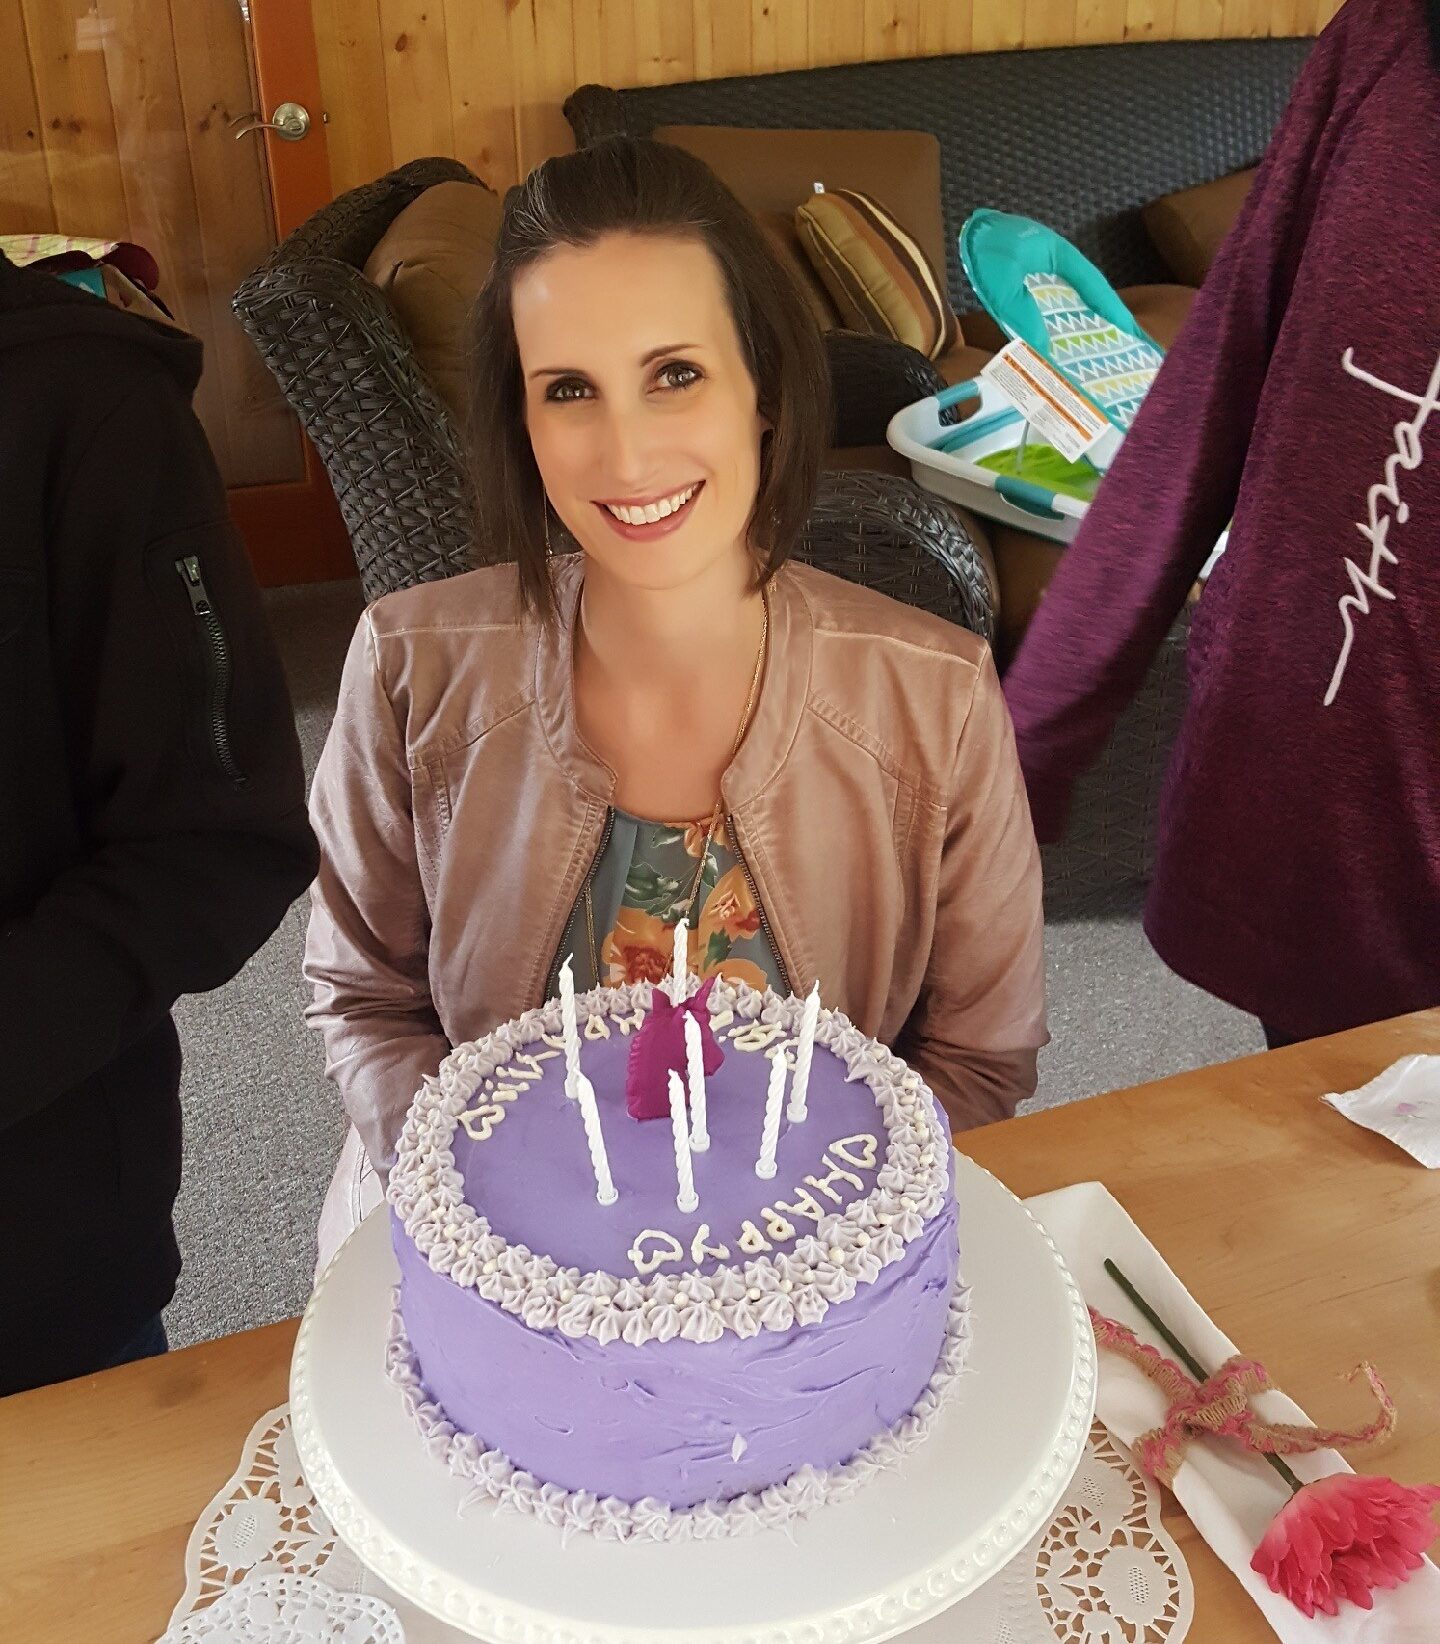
(218, 665)
(195, 585)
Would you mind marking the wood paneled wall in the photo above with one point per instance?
(114, 114)
(114, 123)
(484, 80)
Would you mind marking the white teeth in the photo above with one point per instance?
(652, 511)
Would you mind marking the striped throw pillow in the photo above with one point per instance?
(878, 277)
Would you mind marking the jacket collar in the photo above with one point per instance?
(784, 690)
(34, 306)
(555, 685)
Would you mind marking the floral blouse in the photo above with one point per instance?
(641, 890)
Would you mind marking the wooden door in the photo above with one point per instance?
(294, 530)
(118, 121)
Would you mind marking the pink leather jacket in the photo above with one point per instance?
(876, 802)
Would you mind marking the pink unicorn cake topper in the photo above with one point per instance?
(659, 1047)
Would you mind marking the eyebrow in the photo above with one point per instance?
(645, 359)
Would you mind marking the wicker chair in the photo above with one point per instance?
(887, 533)
(395, 458)
(350, 375)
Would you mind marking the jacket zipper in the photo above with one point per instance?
(218, 668)
(552, 986)
(780, 970)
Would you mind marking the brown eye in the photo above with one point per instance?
(565, 389)
(678, 374)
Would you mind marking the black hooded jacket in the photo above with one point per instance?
(152, 821)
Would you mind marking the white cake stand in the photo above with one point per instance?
(911, 1542)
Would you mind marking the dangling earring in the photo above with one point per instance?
(545, 507)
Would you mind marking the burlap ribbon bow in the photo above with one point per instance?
(1219, 1407)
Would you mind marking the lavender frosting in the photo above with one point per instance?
(630, 1352)
(495, 1478)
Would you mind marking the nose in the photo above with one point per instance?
(627, 448)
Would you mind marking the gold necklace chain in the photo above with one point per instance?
(714, 815)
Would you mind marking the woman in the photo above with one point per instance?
(567, 754)
(1298, 869)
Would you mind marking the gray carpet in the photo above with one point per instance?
(262, 1126)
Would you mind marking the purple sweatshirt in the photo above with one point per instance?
(1298, 865)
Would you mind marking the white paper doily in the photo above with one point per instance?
(1103, 1571)
(289, 1609)
(263, 1519)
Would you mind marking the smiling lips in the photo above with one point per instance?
(640, 522)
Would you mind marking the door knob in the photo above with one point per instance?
(290, 121)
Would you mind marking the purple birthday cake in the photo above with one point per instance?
(580, 1347)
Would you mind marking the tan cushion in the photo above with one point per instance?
(1160, 309)
(779, 228)
(431, 263)
(884, 459)
(778, 170)
(878, 277)
(1024, 564)
(963, 362)
(1187, 227)
(980, 331)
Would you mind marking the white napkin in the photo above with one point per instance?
(1231, 1497)
(1402, 1103)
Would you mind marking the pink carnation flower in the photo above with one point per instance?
(1344, 1535)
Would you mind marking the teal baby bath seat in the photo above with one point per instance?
(1046, 294)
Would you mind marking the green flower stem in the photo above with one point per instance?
(1187, 1358)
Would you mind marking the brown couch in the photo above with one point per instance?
(773, 172)
(434, 256)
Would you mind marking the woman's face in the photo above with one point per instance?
(641, 411)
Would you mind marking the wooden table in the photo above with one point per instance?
(1311, 1242)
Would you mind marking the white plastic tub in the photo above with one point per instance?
(994, 426)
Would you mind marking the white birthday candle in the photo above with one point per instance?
(695, 1066)
(770, 1136)
(680, 969)
(572, 1028)
(686, 1198)
(803, 1055)
(599, 1160)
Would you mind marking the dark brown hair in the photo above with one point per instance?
(634, 185)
